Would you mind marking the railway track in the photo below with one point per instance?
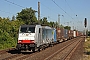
(2, 51)
(5, 51)
(50, 53)
(68, 56)
(65, 52)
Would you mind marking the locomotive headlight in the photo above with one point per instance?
(33, 41)
(19, 41)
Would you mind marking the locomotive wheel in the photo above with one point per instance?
(39, 49)
(33, 49)
(18, 51)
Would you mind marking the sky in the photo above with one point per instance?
(72, 12)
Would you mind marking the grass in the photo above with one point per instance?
(87, 49)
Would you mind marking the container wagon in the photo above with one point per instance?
(47, 35)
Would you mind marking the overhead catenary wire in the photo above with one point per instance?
(24, 7)
(72, 12)
(61, 8)
(6, 12)
(14, 3)
(11, 3)
(48, 17)
(50, 10)
(70, 7)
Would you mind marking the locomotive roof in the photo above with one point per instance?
(28, 25)
(47, 27)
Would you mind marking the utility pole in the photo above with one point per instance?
(59, 20)
(39, 12)
(73, 26)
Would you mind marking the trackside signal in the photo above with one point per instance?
(85, 22)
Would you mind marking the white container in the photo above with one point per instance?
(74, 33)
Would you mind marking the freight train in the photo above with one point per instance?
(39, 37)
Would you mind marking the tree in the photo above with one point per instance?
(7, 33)
(52, 24)
(45, 20)
(61, 26)
(67, 27)
(56, 24)
(13, 17)
(27, 16)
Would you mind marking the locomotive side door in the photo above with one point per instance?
(40, 36)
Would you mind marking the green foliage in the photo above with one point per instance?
(44, 21)
(13, 17)
(67, 27)
(27, 16)
(8, 32)
(87, 44)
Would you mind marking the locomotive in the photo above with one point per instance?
(32, 37)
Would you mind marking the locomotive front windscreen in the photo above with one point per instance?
(31, 29)
(27, 30)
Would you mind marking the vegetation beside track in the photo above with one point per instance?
(87, 49)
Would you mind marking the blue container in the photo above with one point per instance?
(55, 39)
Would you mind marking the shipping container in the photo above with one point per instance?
(60, 34)
(55, 37)
(80, 33)
(48, 34)
(74, 33)
(65, 34)
(70, 32)
(77, 34)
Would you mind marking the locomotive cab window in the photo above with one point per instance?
(23, 29)
(31, 30)
(27, 30)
